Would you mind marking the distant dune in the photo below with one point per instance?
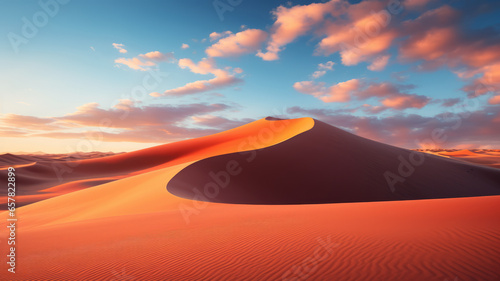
(112, 218)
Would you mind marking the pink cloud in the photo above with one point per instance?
(360, 34)
(143, 61)
(135, 63)
(219, 122)
(127, 114)
(157, 56)
(184, 46)
(130, 121)
(29, 122)
(293, 22)
(215, 35)
(340, 92)
(244, 42)
(438, 39)
(404, 101)
(388, 94)
(379, 63)
(119, 47)
(412, 4)
(494, 100)
(206, 66)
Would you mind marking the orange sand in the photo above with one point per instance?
(132, 228)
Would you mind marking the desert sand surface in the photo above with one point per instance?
(123, 223)
(486, 157)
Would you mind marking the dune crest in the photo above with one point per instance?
(329, 165)
(47, 179)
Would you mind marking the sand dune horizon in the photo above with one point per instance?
(291, 189)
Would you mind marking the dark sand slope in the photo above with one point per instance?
(49, 177)
(328, 165)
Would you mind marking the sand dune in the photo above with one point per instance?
(116, 221)
(329, 165)
(37, 179)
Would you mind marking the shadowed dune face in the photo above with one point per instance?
(328, 165)
(50, 177)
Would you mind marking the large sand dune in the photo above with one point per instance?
(132, 228)
(329, 165)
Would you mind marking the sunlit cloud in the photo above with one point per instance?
(244, 42)
(144, 61)
(127, 121)
(388, 94)
(223, 78)
(120, 48)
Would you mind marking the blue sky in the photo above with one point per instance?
(71, 62)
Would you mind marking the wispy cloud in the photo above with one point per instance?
(144, 61)
(223, 78)
(120, 48)
(322, 69)
(126, 121)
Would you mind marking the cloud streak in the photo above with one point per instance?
(126, 121)
(222, 79)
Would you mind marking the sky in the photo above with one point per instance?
(125, 75)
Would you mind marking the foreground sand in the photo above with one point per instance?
(132, 228)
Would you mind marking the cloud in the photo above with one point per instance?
(215, 36)
(366, 31)
(322, 69)
(29, 122)
(340, 92)
(438, 38)
(463, 125)
(291, 23)
(379, 63)
(158, 56)
(144, 61)
(244, 42)
(450, 102)
(388, 94)
(494, 100)
(135, 63)
(206, 66)
(184, 46)
(127, 114)
(120, 48)
(220, 122)
(413, 4)
(125, 121)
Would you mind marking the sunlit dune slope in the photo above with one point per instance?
(328, 165)
(117, 197)
(47, 179)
